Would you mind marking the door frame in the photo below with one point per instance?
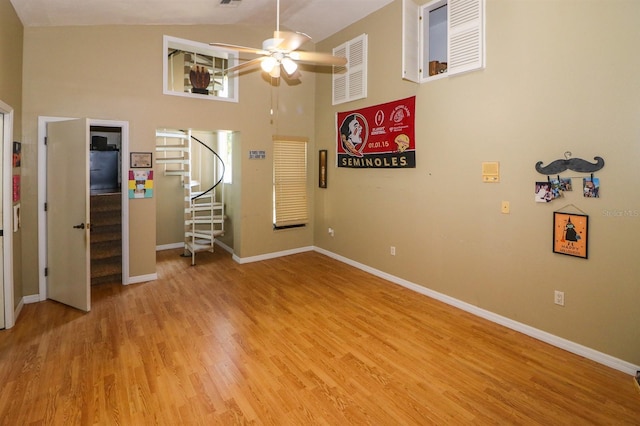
(7, 216)
(42, 194)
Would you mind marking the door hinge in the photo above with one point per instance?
(45, 207)
(45, 140)
(46, 272)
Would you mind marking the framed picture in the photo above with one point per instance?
(571, 234)
(17, 154)
(141, 160)
(322, 168)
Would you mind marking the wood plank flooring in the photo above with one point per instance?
(298, 340)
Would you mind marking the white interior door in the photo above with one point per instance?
(68, 244)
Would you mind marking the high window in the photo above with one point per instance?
(197, 70)
(441, 38)
(290, 206)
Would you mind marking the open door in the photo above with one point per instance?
(68, 244)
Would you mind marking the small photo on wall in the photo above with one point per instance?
(556, 188)
(591, 187)
(140, 183)
(565, 184)
(543, 192)
(17, 154)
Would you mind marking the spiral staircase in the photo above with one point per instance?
(183, 155)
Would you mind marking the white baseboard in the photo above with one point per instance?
(143, 278)
(271, 255)
(592, 354)
(32, 298)
(18, 309)
(224, 246)
(169, 246)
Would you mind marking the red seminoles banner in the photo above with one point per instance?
(380, 136)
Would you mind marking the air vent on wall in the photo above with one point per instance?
(230, 3)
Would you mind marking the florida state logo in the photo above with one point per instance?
(351, 134)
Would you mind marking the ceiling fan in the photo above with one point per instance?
(280, 52)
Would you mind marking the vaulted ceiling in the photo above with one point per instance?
(317, 18)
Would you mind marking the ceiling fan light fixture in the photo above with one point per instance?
(275, 72)
(268, 64)
(289, 65)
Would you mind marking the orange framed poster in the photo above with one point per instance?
(571, 234)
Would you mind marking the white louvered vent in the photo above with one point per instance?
(465, 36)
(350, 82)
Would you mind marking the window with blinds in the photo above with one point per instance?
(290, 207)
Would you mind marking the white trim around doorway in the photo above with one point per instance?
(42, 191)
(7, 217)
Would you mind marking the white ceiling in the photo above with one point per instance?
(317, 18)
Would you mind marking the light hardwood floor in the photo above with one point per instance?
(298, 340)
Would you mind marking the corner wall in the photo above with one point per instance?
(115, 73)
(558, 78)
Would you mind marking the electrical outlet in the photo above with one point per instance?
(558, 298)
(393, 251)
(331, 231)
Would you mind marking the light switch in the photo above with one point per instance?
(505, 207)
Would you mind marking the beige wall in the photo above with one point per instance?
(115, 73)
(11, 35)
(560, 76)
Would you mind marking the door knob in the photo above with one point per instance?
(81, 226)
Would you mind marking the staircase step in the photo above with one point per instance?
(162, 134)
(206, 219)
(107, 279)
(106, 233)
(105, 218)
(171, 148)
(106, 249)
(207, 233)
(201, 194)
(202, 209)
(176, 173)
(106, 270)
(196, 247)
(172, 160)
(105, 202)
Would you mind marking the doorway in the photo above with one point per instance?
(102, 129)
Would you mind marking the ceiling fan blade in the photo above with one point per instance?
(318, 58)
(243, 65)
(290, 41)
(241, 48)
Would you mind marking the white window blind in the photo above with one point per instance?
(289, 182)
